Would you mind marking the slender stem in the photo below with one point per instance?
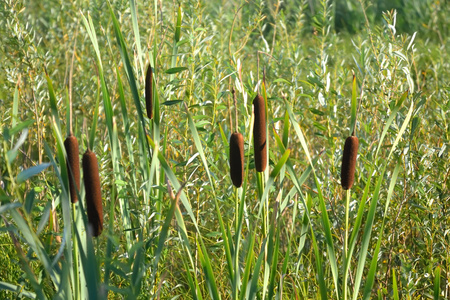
(75, 255)
(347, 204)
(236, 246)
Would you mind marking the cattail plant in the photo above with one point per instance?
(93, 192)
(236, 149)
(259, 134)
(149, 91)
(237, 159)
(73, 166)
(349, 162)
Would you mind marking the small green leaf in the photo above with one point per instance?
(29, 200)
(171, 102)
(26, 174)
(175, 70)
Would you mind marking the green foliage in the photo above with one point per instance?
(174, 224)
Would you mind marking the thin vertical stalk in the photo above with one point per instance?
(346, 257)
(75, 255)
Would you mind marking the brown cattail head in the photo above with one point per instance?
(259, 134)
(73, 166)
(349, 162)
(93, 192)
(148, 92)
(237, 158)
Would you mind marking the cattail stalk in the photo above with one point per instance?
(149, 91)
(93, 192)
(73, 166)
(349, 162)
(259, 134)
(237, 159)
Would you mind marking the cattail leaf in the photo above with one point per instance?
(255, 275)
(280, 164)
(394, 286)
(53, 101)
(93, 131)
(353, 106)
(276, 170)
(199, 147)
(286, 128)
(209, 274)
(175, 70)
(128, 68)
(437, 283)
(248, 265)
(370, 278)
(367, 231)
(137, 36)
(325, 220)
(26, 174)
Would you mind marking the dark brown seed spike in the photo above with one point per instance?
(237, 159)
(259, 134)
(349, 162)
(73, 166)
(148, 92)
(93, 192)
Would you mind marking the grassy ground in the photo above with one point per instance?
(174, 225)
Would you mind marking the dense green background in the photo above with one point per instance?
(308, 50)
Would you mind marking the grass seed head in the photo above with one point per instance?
(93, 192)
(73, 166)
(237, 159)
(259, 134)
(148, 92)
(349, 162)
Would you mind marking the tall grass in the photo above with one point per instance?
(174, 223)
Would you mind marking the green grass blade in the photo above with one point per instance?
(437, 283)
(366, 235)
(209, 274)
(394, 286)
(128, 67)
(276, 170)
(389, 121)
(370, 279)
(137, 36)
(53, 101)
(255, 275)
(402, 129)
